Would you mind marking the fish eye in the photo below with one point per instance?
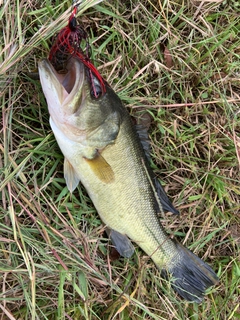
(96, 91)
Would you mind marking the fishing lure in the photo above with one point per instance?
(67, 43)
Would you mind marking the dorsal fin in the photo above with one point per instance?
(144, 139)
(165, 202)
(163, 198)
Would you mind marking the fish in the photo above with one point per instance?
(103, 150)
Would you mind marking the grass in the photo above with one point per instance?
(176, 65)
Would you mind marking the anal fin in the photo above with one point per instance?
(122, 243)
(70, 176)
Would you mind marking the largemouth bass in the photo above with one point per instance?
(102, 149)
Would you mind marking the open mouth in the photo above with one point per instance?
(69, 77)
(63, 91)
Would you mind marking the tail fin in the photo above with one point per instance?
(191, 276)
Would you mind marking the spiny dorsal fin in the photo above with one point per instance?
(144, 139)
(70, 176)
(101, 168)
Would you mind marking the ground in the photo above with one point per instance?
(176, 67)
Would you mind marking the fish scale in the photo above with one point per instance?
(102, 150)
(130, 176)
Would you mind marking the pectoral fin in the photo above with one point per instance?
(70, 176)
(121, 243)
(101, 168)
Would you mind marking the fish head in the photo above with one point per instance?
(64, 92)
(73, 108)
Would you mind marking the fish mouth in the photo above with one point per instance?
(69, 77)
(63, 90)
(72, 76)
